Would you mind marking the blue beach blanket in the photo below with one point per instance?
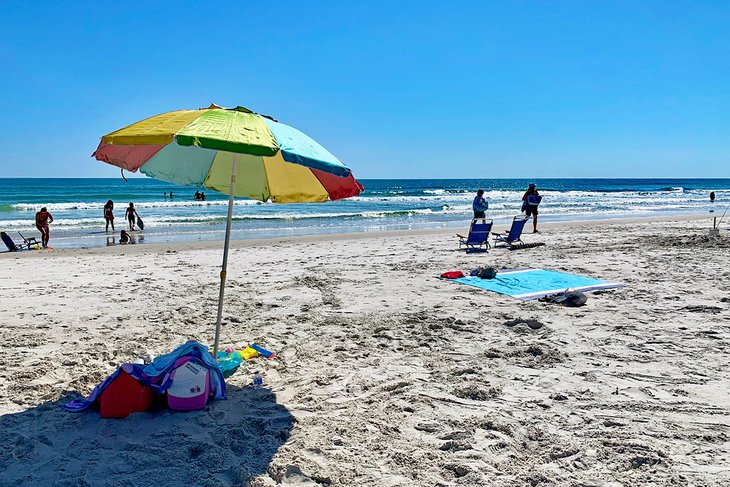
(527, 284)
(157, 374)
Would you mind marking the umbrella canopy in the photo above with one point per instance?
(232, 151)
(198, 147)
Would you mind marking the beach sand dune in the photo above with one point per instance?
(385, 375)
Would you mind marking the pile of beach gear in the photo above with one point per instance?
(182, 380)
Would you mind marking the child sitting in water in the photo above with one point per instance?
(124, 237)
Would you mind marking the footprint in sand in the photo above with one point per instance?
(428, 427)
(532, 324)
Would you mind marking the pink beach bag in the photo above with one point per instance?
(190, 386)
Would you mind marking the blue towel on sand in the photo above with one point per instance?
(527, 284)
(157, 374)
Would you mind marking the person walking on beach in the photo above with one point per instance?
(480, 206)
(131, 215)
(530, 201)
(109, 214)
(42, 221)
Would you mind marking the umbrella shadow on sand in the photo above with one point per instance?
(228, 443)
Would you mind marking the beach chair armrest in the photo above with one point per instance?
(28, 240)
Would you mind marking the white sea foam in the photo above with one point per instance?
(397, 207)
(99, 205)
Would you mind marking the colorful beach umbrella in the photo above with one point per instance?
(232, 151)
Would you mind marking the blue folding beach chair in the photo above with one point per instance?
(12, 246)
(478, 238)
(514, 234)
(29, 242)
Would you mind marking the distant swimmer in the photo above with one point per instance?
(165, 195)
(170, 195)
(109, 214)
(131, 215)
(197, 196)
(202, 196)
(42, 221)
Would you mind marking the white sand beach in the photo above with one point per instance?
(385, 375)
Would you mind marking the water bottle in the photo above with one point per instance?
(258, 379)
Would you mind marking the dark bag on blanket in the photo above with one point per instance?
(487, 272)
(569, 298)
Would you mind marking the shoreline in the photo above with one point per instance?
(265, 241)
(387, 205)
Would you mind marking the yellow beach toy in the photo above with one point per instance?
(248, 353)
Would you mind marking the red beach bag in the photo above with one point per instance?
(452, 275)
(124, 396)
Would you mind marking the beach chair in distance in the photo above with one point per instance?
(30, 242)
(12, 246)
(478, 238)
(514, 234)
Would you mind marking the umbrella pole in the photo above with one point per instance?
(224, 267)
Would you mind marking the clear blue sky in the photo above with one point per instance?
(394, 89)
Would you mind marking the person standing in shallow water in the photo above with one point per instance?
(530, 200)
(480, 206)
(42, 221)
(109, 214)
(131, 215)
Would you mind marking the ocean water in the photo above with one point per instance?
(395, 204)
